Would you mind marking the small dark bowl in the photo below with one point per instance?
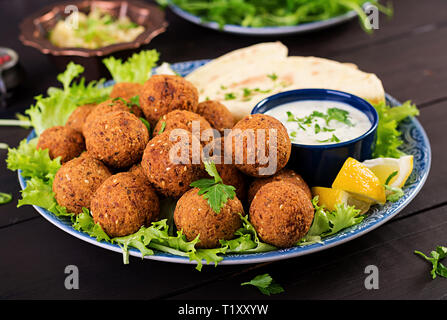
(319, 164)
(35, 28)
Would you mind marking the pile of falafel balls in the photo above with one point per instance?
(112, 166)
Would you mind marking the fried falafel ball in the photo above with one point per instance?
(281, 213)
(217, 114)
(187, 120)
(228, 172)
(61, 141)
(124, 203)
(194, 217)
(77, 118)
(111, 105)
(261, 145)
(126, 90)
(118, 139)
(77, 180)
(164, 93)
(172, 161)
(137, 169)
(287, 175)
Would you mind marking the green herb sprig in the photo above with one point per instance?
(214, 190)
(435, 257)
(265, 284)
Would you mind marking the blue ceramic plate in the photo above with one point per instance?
(264, 31)
(415, 143)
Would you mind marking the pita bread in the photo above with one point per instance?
(242, 78)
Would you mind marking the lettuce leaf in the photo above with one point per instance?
(388, 136)
(84, 222)
(33, 163)
(56, 107)
(327, 223)
(137, 69)
(246, 240)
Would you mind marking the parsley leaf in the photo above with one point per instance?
(214, 191)
(437, 255)
(135, 101)
(265, 284)
(338, 115)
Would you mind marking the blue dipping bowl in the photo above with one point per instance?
(319, 164)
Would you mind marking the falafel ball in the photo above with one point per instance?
(172, 161)
(182, 119)
(117, 138)
(164, 93)
(281, 213)
(77, 180)
(61, 141)
(287, 175)
(124, 203)
(105, 107)
(137, 170)
(217, 114)
(126, 90)
(261, 145)
(228, 172)
(77, 118)
(194, 217)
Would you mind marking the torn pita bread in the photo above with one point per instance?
(242, 78)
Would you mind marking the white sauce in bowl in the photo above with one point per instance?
(321, 122)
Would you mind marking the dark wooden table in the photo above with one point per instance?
(409, 54)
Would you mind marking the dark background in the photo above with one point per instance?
(409, 54)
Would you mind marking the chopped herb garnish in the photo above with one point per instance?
(317, 128)
(147, 124)
(334, 138)
(163, 127)
(262, 91)
(391, 176)
(223, 87)
(230, 96)
(325, 129)
(339, 115)
(247, 92)
(293, 134)
(290, 116)
(265, 284)
(5, 198)
(214, 190)
(272, 76)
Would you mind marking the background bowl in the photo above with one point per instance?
(34, 32)
(319, 164)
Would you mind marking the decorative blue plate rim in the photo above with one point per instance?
(264, 31)
(415, 142)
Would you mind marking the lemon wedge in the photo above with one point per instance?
(385, 167)
(330, 197)
(356, 178)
